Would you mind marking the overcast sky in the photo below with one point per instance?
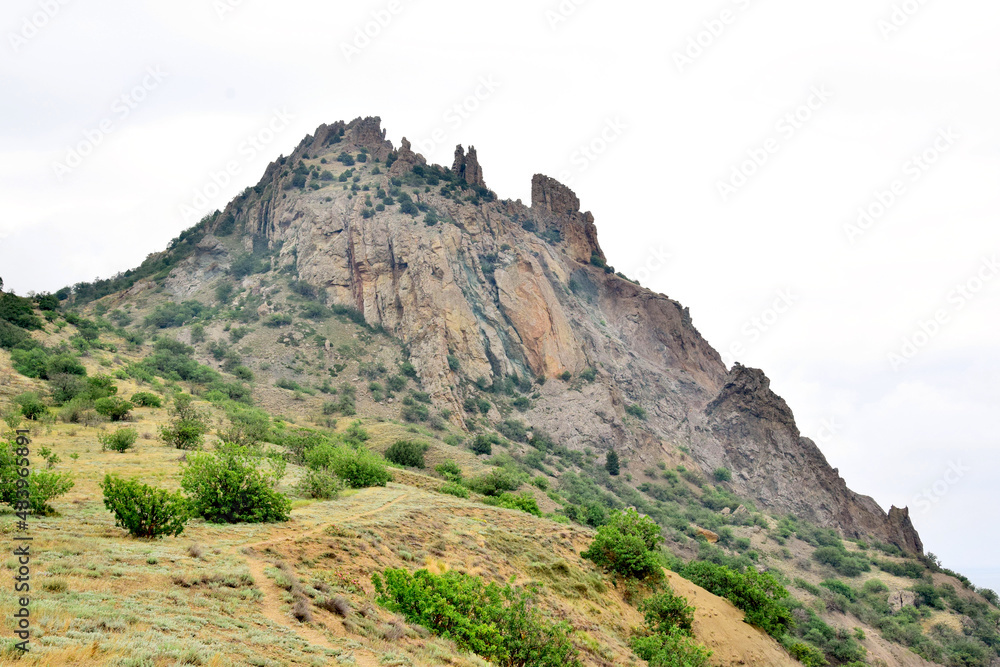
(725, 148)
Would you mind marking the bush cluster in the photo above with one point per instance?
(668, 640)
(358, 467)
(522, 501)
(407, 453)
(43, 485)
(628, 545)
(232, 486)
(144, 511)
(498, 623)
(758, 594)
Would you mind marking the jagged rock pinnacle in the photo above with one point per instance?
(468, 167)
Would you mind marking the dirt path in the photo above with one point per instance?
(273, 601)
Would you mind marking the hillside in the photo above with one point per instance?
(357, 290)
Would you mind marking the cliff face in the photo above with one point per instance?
(509, 289)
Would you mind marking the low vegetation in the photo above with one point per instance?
(496, 622)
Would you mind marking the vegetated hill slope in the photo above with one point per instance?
(225, 594)
(483, 292)
(235, 594)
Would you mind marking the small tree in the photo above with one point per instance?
(406, 453)
(188, 428)
(43, 486)
(320, 484)
(120, 440)
(611, 464)
(113, 407)
(231, 486)
(31, 406)
(144, 511)
(146, 399)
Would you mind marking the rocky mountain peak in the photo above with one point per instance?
(487, 293)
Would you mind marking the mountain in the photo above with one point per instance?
(509, 290)
(387, 369)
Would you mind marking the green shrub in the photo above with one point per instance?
(722, 475)
(455, 489)
(494, 483)
(407, 453)
(841, 560)
(144, 511)
(840, 588)
(628, 545)
(758, 594)
(666, 610)
(115, 408)
(170, 315)
(414, 413)
(875, 586)
(514, 429)
(807, 654)
(672, 649)
(119, 441)
(498, 623)
(32, 407)
(230, 486)
(524, 502)
(145, 399)
(588, 374)
(278, 320)
(483, 443)
(43, 486)
(359, 468)
(449, 470)
(188, 428)
(611, 463)
(636, 410)
(909, 568)
(320, 484)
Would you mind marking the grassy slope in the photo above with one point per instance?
(108, 599)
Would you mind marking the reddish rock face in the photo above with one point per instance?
(510, 289)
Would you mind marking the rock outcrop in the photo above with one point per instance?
(467, 167)
(511, 290)
(559, 209)
(406, 159)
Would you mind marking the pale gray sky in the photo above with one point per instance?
(725, 148)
